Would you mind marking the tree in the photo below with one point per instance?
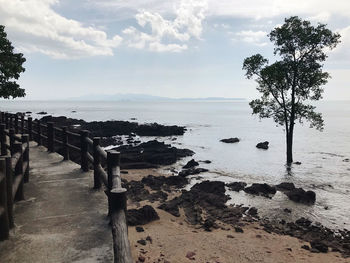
(288, 85)
(10, 68)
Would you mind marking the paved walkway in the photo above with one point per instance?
(61, 219)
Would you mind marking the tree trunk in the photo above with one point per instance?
(289, 141)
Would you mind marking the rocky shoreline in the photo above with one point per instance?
(204, 204)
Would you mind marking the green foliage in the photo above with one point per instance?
(10, 68)
(296, 79)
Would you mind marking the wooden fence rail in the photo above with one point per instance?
(14, 172)
(66, 143)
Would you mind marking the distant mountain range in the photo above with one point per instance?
(140, 97)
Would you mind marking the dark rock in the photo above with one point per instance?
(253, 211)
(260, 189)
(299, 195)
(139, 229)
(208, 224)
(318, 245)
(285, 186)
(346, 160)
(230, 236)
(141, 216)
(28, 112)
(152, 152)
(190, 255)
(236, 186)
(303, 222)
(238, 229)
(306, 247)
(192, 171)
(287, 210)
(73, 111)
(230, 140)
(263, 145)
(41, 112)
(297, 163)
(192, 163)
(213, 187)
(205, 161)
(142, 242)
(141, 258)
(149, 239)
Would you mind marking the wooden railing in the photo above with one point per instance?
(90, 154)
(14, 172)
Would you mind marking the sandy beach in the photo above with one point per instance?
(173, 239)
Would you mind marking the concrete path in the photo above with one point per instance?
(61, 219)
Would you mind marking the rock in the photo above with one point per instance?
(205, 161)
(260, 189)
(142, 242)
(318, 245)
(213, 187)
(253, 211)
(238, 229)
(190, 255)
(286, 210)
(139, 229)
(141, 216)
(28, 112)
(236, 186)
(149, 239)
(230, 140)
(151, 152)
(42, 113)
(299, 195)
(141, 258)
(73, 111)
(208, 224)
(303, 222)
(192, 163)
(346, 160)
(297, 163)
(285, 187)
(192, 171)
(263, 145)
(306, 247)
(230, 236)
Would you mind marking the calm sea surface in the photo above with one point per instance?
(322, 154)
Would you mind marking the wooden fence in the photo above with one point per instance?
(67, 143)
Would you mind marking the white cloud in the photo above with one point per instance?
(168, 35)
(252, 37)
(36, 27)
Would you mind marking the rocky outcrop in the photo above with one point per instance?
(150, 154)
(299, 195)
(192, 171)
(190, 164)
(263, 145)
(260, 189)
(141, 216)
(230, 140)
(236, 186)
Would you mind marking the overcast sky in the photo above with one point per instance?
(184, 48)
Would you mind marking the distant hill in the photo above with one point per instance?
(140, 97)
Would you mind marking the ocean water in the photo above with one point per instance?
(322, 154)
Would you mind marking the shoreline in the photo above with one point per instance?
(173, 238)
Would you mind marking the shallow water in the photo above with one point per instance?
(321, 153)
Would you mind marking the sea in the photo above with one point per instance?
(324, 156)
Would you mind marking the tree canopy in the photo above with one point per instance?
(10, 68)
(296, 78)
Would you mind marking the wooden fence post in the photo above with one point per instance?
(22, 124)
(96, 155)
(16, 124)
(12, 140)
(117, 205)
(4, 220)
(25, 141)
(84, 147)
(19, 171)
(7, 120)
(50, 137)
(3, 139)
(65, 144)
(30, 128)
(40, 140)
(9, 181)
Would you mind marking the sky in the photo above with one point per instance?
(182, 48)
